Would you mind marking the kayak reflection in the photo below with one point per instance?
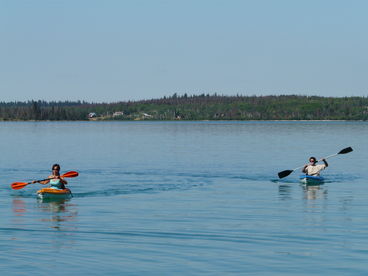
(59, 211)
(19, 207)
(285, 192)
(313, 192)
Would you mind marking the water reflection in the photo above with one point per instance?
(61, 214)
(58, 211)
(285, 192)
(313, 192)
(310, 192)
(19, 207)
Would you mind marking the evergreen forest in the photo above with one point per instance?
(194, 107)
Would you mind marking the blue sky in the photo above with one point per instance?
(116, 50)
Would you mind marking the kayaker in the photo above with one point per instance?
(56, 181)
(312, 168)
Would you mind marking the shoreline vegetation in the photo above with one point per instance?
(203, 107)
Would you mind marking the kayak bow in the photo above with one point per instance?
(311, 180)
(50, 193)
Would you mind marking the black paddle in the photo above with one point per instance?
(287, 172)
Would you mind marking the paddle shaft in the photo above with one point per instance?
(37, 181)
(332, 155)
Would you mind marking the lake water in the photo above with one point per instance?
(184, 198)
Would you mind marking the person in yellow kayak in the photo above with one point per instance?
(56, 180)
(312, 168)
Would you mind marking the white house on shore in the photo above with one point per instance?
(92, 115)
(118, 113)
(145, 115)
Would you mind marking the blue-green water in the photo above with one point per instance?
(164, 198)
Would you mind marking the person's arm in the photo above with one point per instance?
(304, 170)
(324, 161)
(62, 180)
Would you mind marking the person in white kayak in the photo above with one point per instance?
(312, 168)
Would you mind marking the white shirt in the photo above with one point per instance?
(315, 170)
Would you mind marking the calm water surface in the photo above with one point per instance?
(164, 198)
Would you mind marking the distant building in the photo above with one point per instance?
(118, 113)
(92, 115)
(145, 115)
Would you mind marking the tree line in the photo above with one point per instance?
(195, 107)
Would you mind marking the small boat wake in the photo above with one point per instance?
(327, 178)
(137, 189)
(114, 182)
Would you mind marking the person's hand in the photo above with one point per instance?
(34, 181)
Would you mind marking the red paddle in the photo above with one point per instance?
(21, 185)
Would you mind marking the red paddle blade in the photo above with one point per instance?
(70, 174)
(18, 185)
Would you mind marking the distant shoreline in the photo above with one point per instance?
(195, 108)
(182, 120)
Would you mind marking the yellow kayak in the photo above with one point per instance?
(51, 193)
